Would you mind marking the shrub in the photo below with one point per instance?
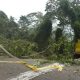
(21, 47)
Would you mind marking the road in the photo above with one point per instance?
(10, 71)
(69, 73)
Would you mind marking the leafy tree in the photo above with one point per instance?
(28, 25)
(12, 29)
(23, 21)
(34, 18)
(72, 12)
(58, 34)
(23, 29)
(67, 13)
(31, 19)
(3, 23)
(43, 34)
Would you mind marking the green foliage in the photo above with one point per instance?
(54, 53)
(19, 38)
(12, 30)
(44, 33)
(58, 34)
(77, 30)
(4, 41)
(21, 48)
(3, 22)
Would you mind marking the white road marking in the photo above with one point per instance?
(31, 74)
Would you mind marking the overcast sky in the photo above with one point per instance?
(16, 8)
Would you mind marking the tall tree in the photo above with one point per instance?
(44, 33)
(12, 29)
(3, 23)
(67, 13)
(28, 24)
(58, 34)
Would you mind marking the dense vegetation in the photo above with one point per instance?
(35, 34)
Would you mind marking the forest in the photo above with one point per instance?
(52, 35)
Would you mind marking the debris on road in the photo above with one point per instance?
(38, 71)
(35, 68)
(57, 66)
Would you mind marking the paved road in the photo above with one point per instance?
(9, 70)
(69, 73)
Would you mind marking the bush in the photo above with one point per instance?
(53, 52)
(18, 47)
(21, 47)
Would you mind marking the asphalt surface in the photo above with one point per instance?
(69, 73)
(9, 70)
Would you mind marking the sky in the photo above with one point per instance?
(16, 8)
